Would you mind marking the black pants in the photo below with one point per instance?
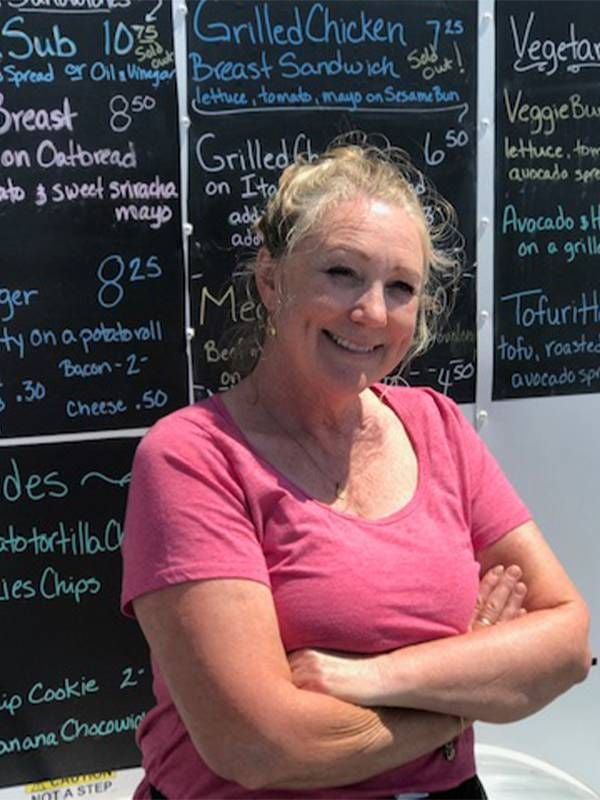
(469, 790)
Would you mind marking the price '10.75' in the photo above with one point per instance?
(114, 273)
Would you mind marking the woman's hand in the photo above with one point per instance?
(342, 675)
(358, 680)
(500, 598)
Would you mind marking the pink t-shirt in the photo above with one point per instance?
(204, 504)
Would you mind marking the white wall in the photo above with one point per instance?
(550, 448)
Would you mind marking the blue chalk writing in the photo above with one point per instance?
(12, 341)
(516, 351)
(572, 347)
(40, 694)
(113, 334)
(11, 299)
(449, 27)
(588, 377)
(90, 369)
(17, 76)
(52, 585)
(130, 677)
(122, 481)
(73, 729)
(512, 221)
(103, 71)
(10, 703)
(118, 40)
(114, 270)
(543, 380)
(228, 71)
(532, 307)
(17, 589)
(24, 744)
(310, 22)
(154, 398)
(34, 486)
(150, 75)
(55, 44)
(106, 407)
(217, 96)
(66, 540)
(291, 67)
(32, 391)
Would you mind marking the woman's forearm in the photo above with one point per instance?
(509, 665)
(331, 743)
(219, 651)
(500, 674)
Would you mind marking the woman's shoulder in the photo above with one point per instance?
(201, 414)
(419, 401)
(201, 423)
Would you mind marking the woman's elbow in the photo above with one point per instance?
(581, 654)
(581, 664)
(250, 761)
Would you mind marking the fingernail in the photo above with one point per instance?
(514, 571)
(498, 570)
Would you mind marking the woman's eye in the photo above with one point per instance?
(402, 286)
(340, 271)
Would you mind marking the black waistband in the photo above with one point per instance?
(470, 789)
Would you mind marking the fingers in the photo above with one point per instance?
(489, 582)
(501, 596)
(513, 607)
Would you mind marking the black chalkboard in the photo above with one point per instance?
(266, 80)
(91, 266)
(74, 679)
(547, 216)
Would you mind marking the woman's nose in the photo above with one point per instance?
(371, 308)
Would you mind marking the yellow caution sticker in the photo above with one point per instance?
(74, 780)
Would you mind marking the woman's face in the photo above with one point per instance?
(345, 302)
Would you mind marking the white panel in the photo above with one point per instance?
(550, 448)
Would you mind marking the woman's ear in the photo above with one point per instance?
(265, 274)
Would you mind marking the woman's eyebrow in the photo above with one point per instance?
(398, 270)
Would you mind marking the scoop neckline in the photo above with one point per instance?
(406, 418)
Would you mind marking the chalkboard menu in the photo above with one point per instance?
(547, 217)
(91, 267)
(74, 677)
(272, 79)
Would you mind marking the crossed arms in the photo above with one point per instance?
(319, 719)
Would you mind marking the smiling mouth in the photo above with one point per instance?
(351, 347)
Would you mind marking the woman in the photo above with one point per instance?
(303, 552)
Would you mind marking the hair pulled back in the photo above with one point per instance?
(351, 167)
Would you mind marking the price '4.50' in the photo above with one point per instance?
(114, 273)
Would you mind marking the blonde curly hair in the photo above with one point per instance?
(353, 167)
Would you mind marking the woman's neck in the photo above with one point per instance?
(306, 410)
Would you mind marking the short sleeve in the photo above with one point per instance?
(187, 516)
(494, 505)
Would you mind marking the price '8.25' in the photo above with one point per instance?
(115, 273)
